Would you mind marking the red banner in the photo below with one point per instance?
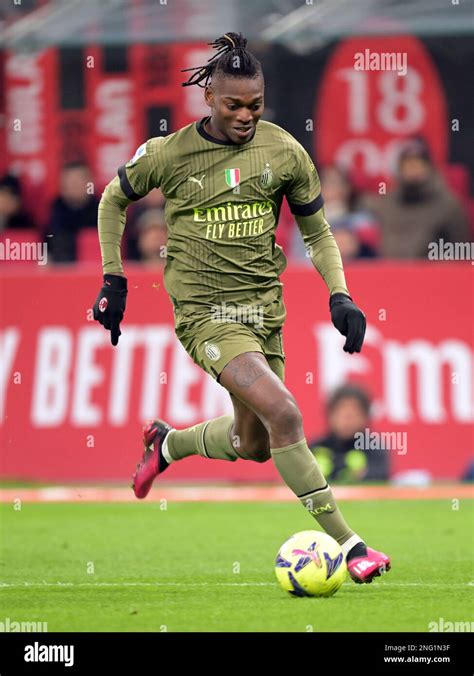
(32, 143)
(146, 99)
(116, 110)
(72, 405)
(367, 106)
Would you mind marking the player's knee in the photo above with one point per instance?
(256, 450)
(262, 455)
(285, 416)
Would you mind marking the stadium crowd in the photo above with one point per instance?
(417, 209)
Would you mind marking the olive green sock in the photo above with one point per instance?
(300, 471)
(210, 439)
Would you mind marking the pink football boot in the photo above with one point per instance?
(365, 568)
(152, 462)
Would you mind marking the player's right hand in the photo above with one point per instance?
(110, 305)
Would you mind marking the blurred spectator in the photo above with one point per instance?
(75, 208)
(468, 474)
(349, 241)
(348, 412)
(152, 237)
(419, 210)
(154, 200)
(355, 230)
(12, 214)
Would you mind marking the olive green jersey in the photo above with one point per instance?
(222, 206)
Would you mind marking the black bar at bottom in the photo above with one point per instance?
(356, 653)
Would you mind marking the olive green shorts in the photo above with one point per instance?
(212, 342)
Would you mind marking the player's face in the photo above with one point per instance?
(237, 105)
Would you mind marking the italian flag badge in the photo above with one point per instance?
(232, 177)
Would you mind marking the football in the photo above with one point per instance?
(310, 563)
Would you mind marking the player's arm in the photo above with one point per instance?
(306, 203)
(135, 180)
(321, 246)
(111, 225)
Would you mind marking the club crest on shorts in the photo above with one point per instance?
(212, 351)
(266, 177)
(232, 177)
(103, 304)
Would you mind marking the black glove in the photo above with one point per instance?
(110, 305)
(348, 320)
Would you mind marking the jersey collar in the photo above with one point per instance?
(201, 130)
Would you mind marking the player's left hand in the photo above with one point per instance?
(348, 320)
(110, 305)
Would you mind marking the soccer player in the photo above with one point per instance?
(224, 178)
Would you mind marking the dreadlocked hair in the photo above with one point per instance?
(231, 59)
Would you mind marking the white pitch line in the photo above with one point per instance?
(136, 584)
(382, 583)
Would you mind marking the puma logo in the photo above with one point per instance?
(197, 180)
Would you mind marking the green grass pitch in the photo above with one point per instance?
(209, 567)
